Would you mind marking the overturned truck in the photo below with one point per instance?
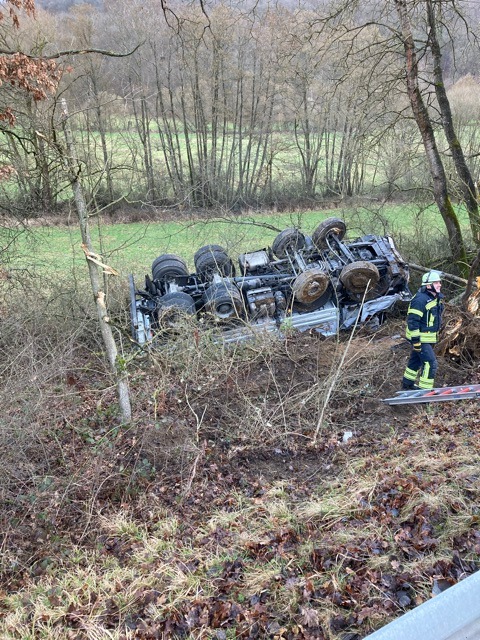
(301, 282)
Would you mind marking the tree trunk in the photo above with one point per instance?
(308, 143)
(118, 372)
(467, 184)
(143, 129)
(424, 124)
(103, 135)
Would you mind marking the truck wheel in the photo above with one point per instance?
(212, 258)
(224, 301)
(328, 296)
(167, 266)
(360, 277)
(172, 306)
(288, 240)
(330, 226)
(378, 291)
(208, 248)
(310, 285)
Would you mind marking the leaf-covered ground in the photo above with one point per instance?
(263, 491)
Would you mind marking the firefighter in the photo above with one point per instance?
(424, 317)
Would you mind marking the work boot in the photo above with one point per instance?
(409, 387)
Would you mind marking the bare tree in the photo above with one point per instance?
(394, 45)
(467, 183)
(94, 264)
(35, 77)
(424, 123)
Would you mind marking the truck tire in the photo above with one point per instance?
(212, 258)
(360, 277)
(300, 307)
(172, 306)
(208, 248)
(310, 285)
(377, 291)
(288, 240)
(168, 266)
(333, 226)
(224, 301)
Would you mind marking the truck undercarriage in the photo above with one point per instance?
(301, 282)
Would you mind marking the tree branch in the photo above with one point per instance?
(72, 52)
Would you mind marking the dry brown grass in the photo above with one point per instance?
(215, 500)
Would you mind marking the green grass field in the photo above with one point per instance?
(131, 248)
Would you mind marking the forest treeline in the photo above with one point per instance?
(229, 107)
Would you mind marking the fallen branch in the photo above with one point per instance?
(447, 276)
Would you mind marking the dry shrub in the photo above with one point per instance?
(166, 516)
(53, 377)
(269, 391)
(464, 98)
(64, 455)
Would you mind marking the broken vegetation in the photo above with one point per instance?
(216, 513)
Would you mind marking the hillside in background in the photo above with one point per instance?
(248, 106)
(58, 6)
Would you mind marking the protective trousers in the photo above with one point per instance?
(421, 362)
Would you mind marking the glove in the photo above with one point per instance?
(417, 346)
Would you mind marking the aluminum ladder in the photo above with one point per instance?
(441, 394)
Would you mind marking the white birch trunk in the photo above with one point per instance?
(119, 375)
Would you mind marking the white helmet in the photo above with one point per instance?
(431, 276)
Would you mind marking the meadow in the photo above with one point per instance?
(132, 247)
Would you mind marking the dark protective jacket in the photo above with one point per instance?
(424, 316)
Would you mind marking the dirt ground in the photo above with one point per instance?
(304, 413)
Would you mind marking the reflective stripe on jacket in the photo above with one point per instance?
(424, 316)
